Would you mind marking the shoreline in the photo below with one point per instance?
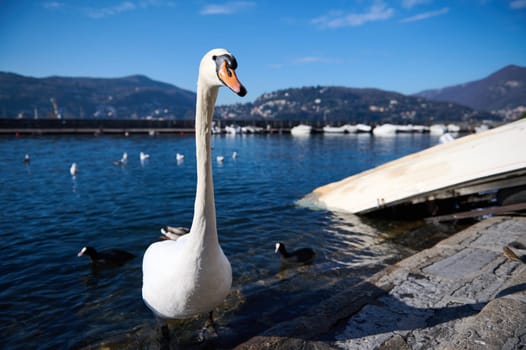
(461, 293)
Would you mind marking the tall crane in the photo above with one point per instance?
(55, 108)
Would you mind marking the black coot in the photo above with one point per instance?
(302, 256)
(106, 257)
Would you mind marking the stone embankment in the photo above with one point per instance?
(467, 292)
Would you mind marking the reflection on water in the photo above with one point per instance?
(53, 299)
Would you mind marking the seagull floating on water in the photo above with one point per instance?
(143, 156)
(27, 159)
(123, 160)
(73, 169)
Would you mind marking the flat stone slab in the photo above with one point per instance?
(463, 293)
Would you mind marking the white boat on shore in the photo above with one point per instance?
(437, 129)
(233, 129)
(351, 129)
(405, 128)
(385, 130)
(250, 129)
(328, 129)
(420, 128)
(363, 128)
(481, 128)
(301, 130)
(453, 128)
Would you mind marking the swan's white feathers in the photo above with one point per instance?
(168, 263)
(192, 275)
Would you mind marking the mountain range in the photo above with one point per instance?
(504, 89)
(134, 97)
(138, 97)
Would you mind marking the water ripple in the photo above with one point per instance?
(53, 299)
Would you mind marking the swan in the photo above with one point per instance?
(192, 275)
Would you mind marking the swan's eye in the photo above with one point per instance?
(230, 60)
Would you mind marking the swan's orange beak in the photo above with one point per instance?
(229, 78)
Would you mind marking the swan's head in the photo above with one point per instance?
(218, 68)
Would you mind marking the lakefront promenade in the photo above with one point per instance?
(466, 292)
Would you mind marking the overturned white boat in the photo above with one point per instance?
(472, 166)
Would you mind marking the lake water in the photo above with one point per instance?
(50, 298)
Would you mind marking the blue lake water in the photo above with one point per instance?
(50, 298)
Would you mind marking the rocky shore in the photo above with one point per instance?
(466, 292)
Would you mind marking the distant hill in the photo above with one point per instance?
(129, 97)
(337, 104)
(504, 89)
(138, 97)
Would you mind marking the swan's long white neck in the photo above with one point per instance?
(204, 228)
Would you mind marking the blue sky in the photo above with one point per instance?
(403, 45)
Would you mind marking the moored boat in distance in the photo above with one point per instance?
(453, 128)
(363, 128)
(301, 130)
(351, 129)
(420, 128)
(405, 128)
(385, 130)
(250, 129)
(437, 129)
(328, 129)
(233, 129)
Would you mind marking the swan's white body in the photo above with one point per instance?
(192, 275)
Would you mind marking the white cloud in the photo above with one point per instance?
(275, 65)
(315, 59)
(412, 3)
(155, 3)
(377, 12)
(125, 6)
(111, 10)
(425, 15)
(227, 8)
(52, 5)
(518, 4)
